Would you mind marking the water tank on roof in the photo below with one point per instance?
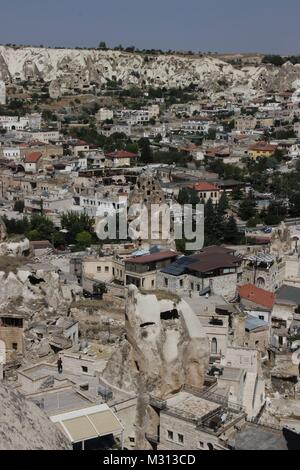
(105, 392)
(83, 344)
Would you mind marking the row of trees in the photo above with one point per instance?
(77, 229)
(147, 155)
(278, 60)
(118, 140)
(218, 227)
(273, 215)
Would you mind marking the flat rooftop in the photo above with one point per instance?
(189, 404)
(56, 401)
(259, 438)
(39, 371)
(232, 373)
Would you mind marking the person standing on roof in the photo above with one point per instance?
(59, 365)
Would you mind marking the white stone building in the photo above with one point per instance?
(104, 114)
(2, 92)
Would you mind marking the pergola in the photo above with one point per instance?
(88, 423)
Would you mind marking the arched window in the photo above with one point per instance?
(214, 346)
(261, 282)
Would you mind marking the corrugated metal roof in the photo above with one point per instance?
(289, 293)
(152, 257)
(262, 258)
(252, 323)
(208, 259)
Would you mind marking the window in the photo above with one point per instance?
(106, 269)
(152, 283)
(214, 346)
(180, 438)
(201, 445)
(170, 435)
(166, 282)
(99, 269)
(192, 286)
(84, 369)
(261, 317)
(15, 346)
(181, 282)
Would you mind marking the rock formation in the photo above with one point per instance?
(23, 426)
(165, 348)
(12, 248)
(69, 69)
(281, 240)
(3, 231)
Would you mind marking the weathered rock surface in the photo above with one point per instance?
(23, 426)
(72, 68)
(165, 349)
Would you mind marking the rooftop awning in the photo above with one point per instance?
(88, 423)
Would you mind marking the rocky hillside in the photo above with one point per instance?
(74, 68)
(23, 426)
(165, 348)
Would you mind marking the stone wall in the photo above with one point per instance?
(183, 285)
(12, 336)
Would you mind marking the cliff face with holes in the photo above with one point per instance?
(71, 69)
(23, 426)
(165, 348)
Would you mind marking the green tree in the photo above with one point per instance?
(84, 239)
(237, 194)
(43, 226)
(276, 213)
(75, 223)
(295, 205)
(223, 203)
(247, 209)
(146, 152)
(34, 235)
(213, 225)
(231, 233)
(188, 196)
(193, 197)
(102, 45)
(19, 206)
(276, 60)
(183, 196)
(58, 238)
